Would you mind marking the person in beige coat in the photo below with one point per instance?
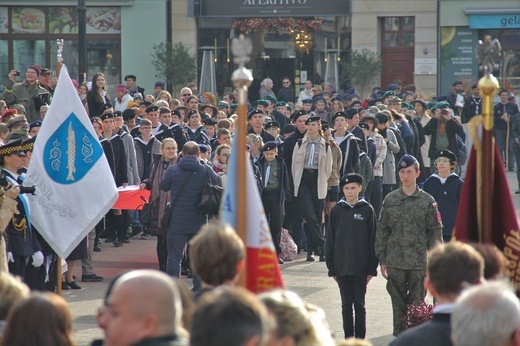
(7, 209)
(311, 169)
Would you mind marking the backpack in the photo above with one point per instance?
(462, 154)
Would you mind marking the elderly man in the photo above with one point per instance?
(28, 93)
(128, 319)
(185, 182)
(486, 315)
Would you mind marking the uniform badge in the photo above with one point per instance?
(403, 164)
(439, 219)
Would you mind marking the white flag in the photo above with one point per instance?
(74, 185)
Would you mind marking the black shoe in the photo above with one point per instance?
(310, 257)
(91, 278)
(64, 286)
(73, 285)
(109, 240)
(322, 259)
(280, 261)
(97, 248)
(135, 231)
(126, 240)
(117, 243)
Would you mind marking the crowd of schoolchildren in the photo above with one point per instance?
(340, 173)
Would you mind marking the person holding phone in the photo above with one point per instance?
(28, 93)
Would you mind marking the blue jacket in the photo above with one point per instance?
(186, 217)
(447, 196)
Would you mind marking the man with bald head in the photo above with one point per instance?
(130, 319)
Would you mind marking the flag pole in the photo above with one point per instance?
(242, 79)
(59, 64)
(488, 54)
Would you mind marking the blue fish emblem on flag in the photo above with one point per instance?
(70, 152)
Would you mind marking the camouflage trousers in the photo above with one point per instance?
(405, 287)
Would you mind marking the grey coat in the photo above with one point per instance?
(389, 163)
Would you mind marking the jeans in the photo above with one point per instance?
(176, 244)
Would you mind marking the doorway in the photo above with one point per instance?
(397, 51)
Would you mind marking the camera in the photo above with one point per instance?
(16, 73)
(27, 189)
(6, 184)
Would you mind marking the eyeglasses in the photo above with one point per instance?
(186, 95)
(286, 82)
(442, 161)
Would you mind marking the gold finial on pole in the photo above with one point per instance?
(242, 79)
(488, 54)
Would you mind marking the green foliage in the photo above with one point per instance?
(174, 63)
(361, 69)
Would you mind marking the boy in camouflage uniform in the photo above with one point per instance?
(409, 226)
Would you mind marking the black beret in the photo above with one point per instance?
(356, 102)
(253, 112)
(325, 125)
(289, 128)
(128, 114)
(447, 154)
(144, 102)
(104, 107)
(364, 126)
(350, 178)
(337, 98)
(176, 112)
(312, 119)
(339, 114)
(271, 124)
(106, 116)
(203, 148)
(209, 121)
(152, 108)
(130, 76)
(190, 113)
(307, 101)
(298, 114)
(271, 145)
(406, 161)
(118, 114)
(382, 117)
(351, 112)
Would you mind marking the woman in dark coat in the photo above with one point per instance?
(159, 198)
(97, 95)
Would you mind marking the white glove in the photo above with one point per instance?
(37, 259)
(10, 257)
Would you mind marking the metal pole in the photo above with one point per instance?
(242, 79)
(82, 41)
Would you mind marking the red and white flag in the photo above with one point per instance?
(263, 270)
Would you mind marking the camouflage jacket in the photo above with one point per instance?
(408, 227)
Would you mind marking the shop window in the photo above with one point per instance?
(27, 52)
(398, 31)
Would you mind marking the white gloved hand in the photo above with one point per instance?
(10, 257)
(37, 259)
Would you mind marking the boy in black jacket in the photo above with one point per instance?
(351, 258)
(275, 190)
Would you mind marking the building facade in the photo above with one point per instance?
(120, 37)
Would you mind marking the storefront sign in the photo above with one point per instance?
(458, 56)
(494, 21)
(271, 8)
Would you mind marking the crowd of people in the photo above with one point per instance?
(358, 183)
